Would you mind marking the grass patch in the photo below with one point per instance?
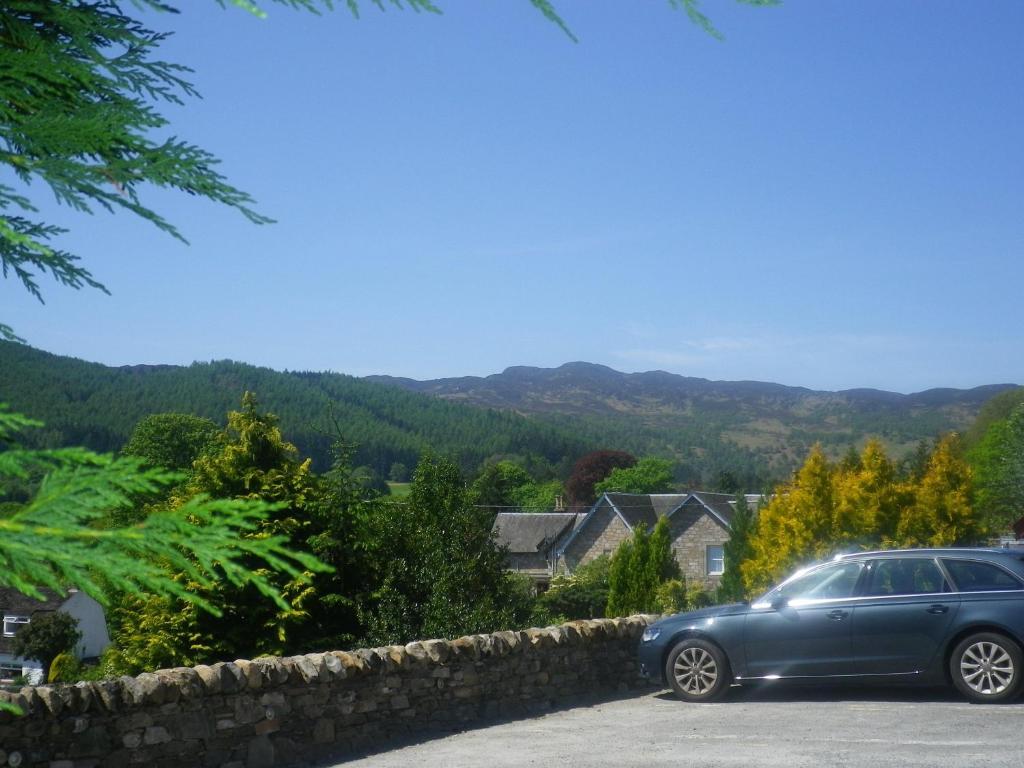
(399, 489)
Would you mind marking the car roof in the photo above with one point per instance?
(931, 552)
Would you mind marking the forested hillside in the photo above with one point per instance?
(718, 434)
(97, 406)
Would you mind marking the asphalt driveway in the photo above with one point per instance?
(784, 727)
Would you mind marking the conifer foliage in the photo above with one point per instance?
(77, 113)
(862, 502)
(736, 551)
(53, 541)
(639, 567)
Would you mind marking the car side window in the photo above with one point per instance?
(831, 582)
(976, 576)
(904, 576)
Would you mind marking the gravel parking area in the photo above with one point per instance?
(785, 727)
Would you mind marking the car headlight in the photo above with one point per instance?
(651, 633)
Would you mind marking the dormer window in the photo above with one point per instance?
(13, 623)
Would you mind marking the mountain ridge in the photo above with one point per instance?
(520, 371)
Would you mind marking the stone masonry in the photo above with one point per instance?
(602, 535)
(294, 711)
(693, 529)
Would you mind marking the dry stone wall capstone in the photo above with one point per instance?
(293, 711)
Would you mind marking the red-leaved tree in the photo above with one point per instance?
(590, 470)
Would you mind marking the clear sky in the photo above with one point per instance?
(832, 197)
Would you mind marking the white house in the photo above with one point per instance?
(20, 610)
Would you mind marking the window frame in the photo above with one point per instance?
(9, 666)
(708, 559)
(944, 563)
(873, 563)
(17, 620)
(778, 591)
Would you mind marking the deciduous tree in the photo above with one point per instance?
(648, 475)
(47, 636)
(439, 572)
(592, 469)
(998, 462)
(171, 440)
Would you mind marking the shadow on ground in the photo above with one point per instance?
(425, 737)
(775, 693)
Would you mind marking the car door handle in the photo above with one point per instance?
(938, 608)
(837, 615)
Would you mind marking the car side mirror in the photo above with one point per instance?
(779, 602)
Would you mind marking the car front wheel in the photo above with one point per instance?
(987, 667)
(697, 670)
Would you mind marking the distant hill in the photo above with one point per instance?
(693, 417)
(754, 431)
(97, 406)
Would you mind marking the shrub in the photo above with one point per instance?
(64, 668)
(697, 597)
(671, 596)
(580, 596)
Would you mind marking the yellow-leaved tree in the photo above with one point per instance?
(794, 524)
(941, 512)
(860, 503)
(868, 499)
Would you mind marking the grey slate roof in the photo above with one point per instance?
(719, 503)
(530, 532)
(646, 508)
(14, 603)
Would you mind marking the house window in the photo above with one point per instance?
(13, 623)
(8, 672)
(716, 560)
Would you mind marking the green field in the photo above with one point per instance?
(399, 489)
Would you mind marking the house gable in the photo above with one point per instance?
(697, 521)
(695, 526)
(601, 532)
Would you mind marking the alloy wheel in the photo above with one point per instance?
(986, 668)
(696, 671)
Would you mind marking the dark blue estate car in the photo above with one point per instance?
(921, 615)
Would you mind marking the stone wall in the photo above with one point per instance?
(293, 711)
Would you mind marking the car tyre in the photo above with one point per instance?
(697, 670)
(987, 667)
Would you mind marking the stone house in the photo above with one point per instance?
(20, 610)
(699, 524)
(530, 538)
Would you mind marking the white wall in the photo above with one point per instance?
(91, 623)
(30, 669)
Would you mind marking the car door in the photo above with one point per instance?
(905, 609)
(802, 628)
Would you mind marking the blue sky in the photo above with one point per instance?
(832, 197)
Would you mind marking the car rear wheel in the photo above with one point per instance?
(697, 670)
(987, 667)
